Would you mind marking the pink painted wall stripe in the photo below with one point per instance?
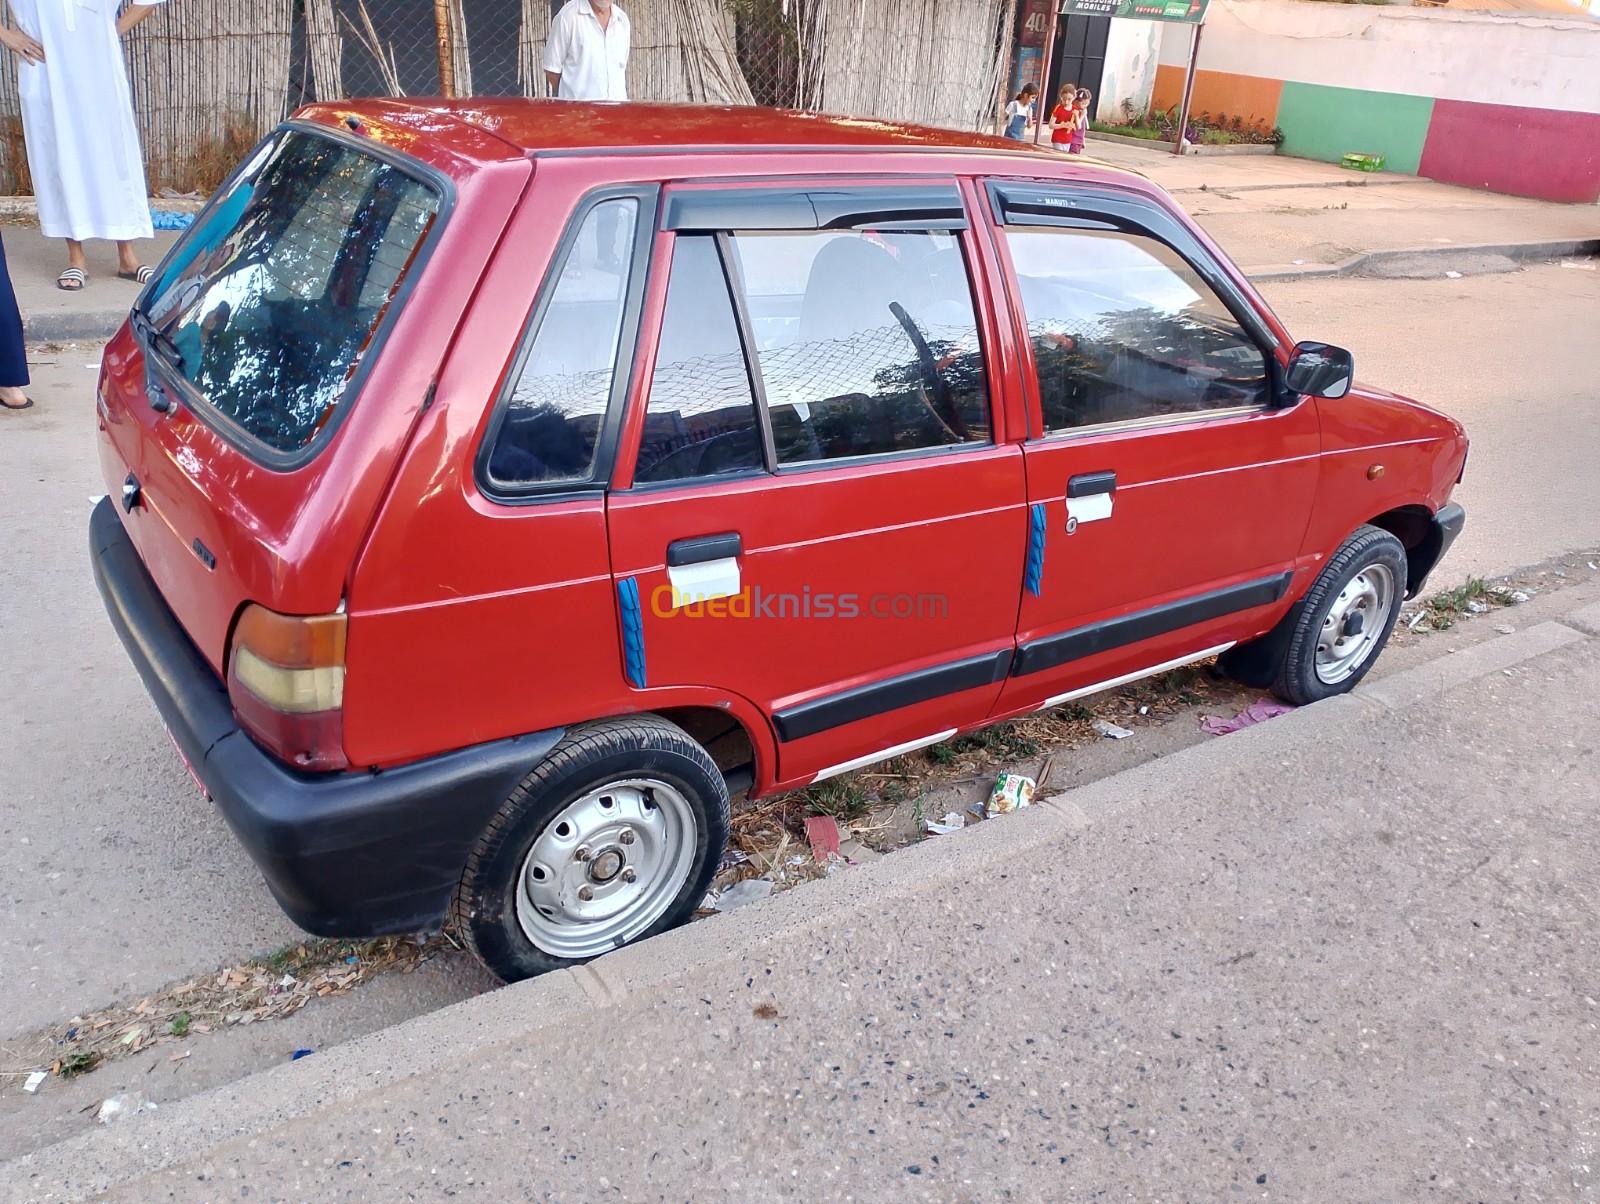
(1541, 153)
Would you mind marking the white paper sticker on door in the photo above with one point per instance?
(1090, 509)
(704, 581)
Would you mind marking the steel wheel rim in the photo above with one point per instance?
(606, 868)
(1355, 623)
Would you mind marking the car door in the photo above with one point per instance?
(1170, 481)
(814, 507)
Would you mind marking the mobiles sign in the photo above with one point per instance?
(1191, 12)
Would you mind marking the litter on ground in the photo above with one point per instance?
(1011, 792)
(1111, 731)
(1258, 711)
(745, 891)
(822, 832)
(118, 1106)
(34, 1079)
(952, 822)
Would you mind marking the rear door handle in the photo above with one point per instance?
(700, 548)
(1090, 497)
(1087, 484)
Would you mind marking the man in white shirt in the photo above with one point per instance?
(586, 54)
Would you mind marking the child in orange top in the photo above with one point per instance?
(1063, 118)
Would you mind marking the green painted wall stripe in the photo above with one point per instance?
(1320, 122)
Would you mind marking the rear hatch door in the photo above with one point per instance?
(254, 408)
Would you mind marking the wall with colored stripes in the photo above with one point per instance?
(1507, 102)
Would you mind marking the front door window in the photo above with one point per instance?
(1124, 330)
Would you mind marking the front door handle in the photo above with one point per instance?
(701, 548)
(1087, 484)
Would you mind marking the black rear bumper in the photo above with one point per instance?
(346, 854)
(1422, 559)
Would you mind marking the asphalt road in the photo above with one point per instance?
(117, 877)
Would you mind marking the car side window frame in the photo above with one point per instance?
(645, 370)
(647, 196)
(912, 206)
(1040, 204)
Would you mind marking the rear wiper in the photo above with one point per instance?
(156, 339)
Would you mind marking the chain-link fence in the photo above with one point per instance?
(210, 76)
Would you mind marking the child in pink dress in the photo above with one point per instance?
(1080, 109)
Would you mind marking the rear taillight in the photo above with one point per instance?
(286, 683)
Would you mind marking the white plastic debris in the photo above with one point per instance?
(1476, 607)
(1520, 595)
(1110, 730)
(952, 822)
(35, 1080)
(1452, 275)
(118, 1106)
(745, 891)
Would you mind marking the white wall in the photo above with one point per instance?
(1132, 48)
(1493, 58)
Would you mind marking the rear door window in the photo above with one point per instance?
(701, 420)
(271, 303)
(866, 341)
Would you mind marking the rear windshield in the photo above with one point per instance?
(269, 304)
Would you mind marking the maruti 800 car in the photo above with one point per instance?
(497, 485)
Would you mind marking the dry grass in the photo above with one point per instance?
(265, 988)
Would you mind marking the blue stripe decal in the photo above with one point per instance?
(1033, 570)
(632, 631)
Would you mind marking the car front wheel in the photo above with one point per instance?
(1345, 618)
(613, 837)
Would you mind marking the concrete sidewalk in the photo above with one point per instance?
(1347, 954)
(50, 314)
(1282, 218)
(1279, 218)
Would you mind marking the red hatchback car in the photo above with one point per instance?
(497, 485)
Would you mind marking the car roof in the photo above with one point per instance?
(542, 127)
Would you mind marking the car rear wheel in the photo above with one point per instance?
(1345, 618)
(613, 837)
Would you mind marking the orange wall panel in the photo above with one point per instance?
(1250, 97)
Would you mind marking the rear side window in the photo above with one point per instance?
(270, 304)
(866, 341)
(551, 424)
(701, 418)
(1124, 329)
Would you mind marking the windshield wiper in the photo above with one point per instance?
(156, 339)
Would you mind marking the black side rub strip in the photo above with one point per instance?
(1055, 650)
(809, 718)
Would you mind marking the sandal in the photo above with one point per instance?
(27, 404)
(72, 280)
(139, 275)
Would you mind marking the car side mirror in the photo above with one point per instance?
(1320, 370)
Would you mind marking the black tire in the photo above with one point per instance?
(1296, 679)
(588, 756)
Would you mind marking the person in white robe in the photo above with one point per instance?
(77, 120)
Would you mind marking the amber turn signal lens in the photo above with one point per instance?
(286, 682)
(292, 641)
